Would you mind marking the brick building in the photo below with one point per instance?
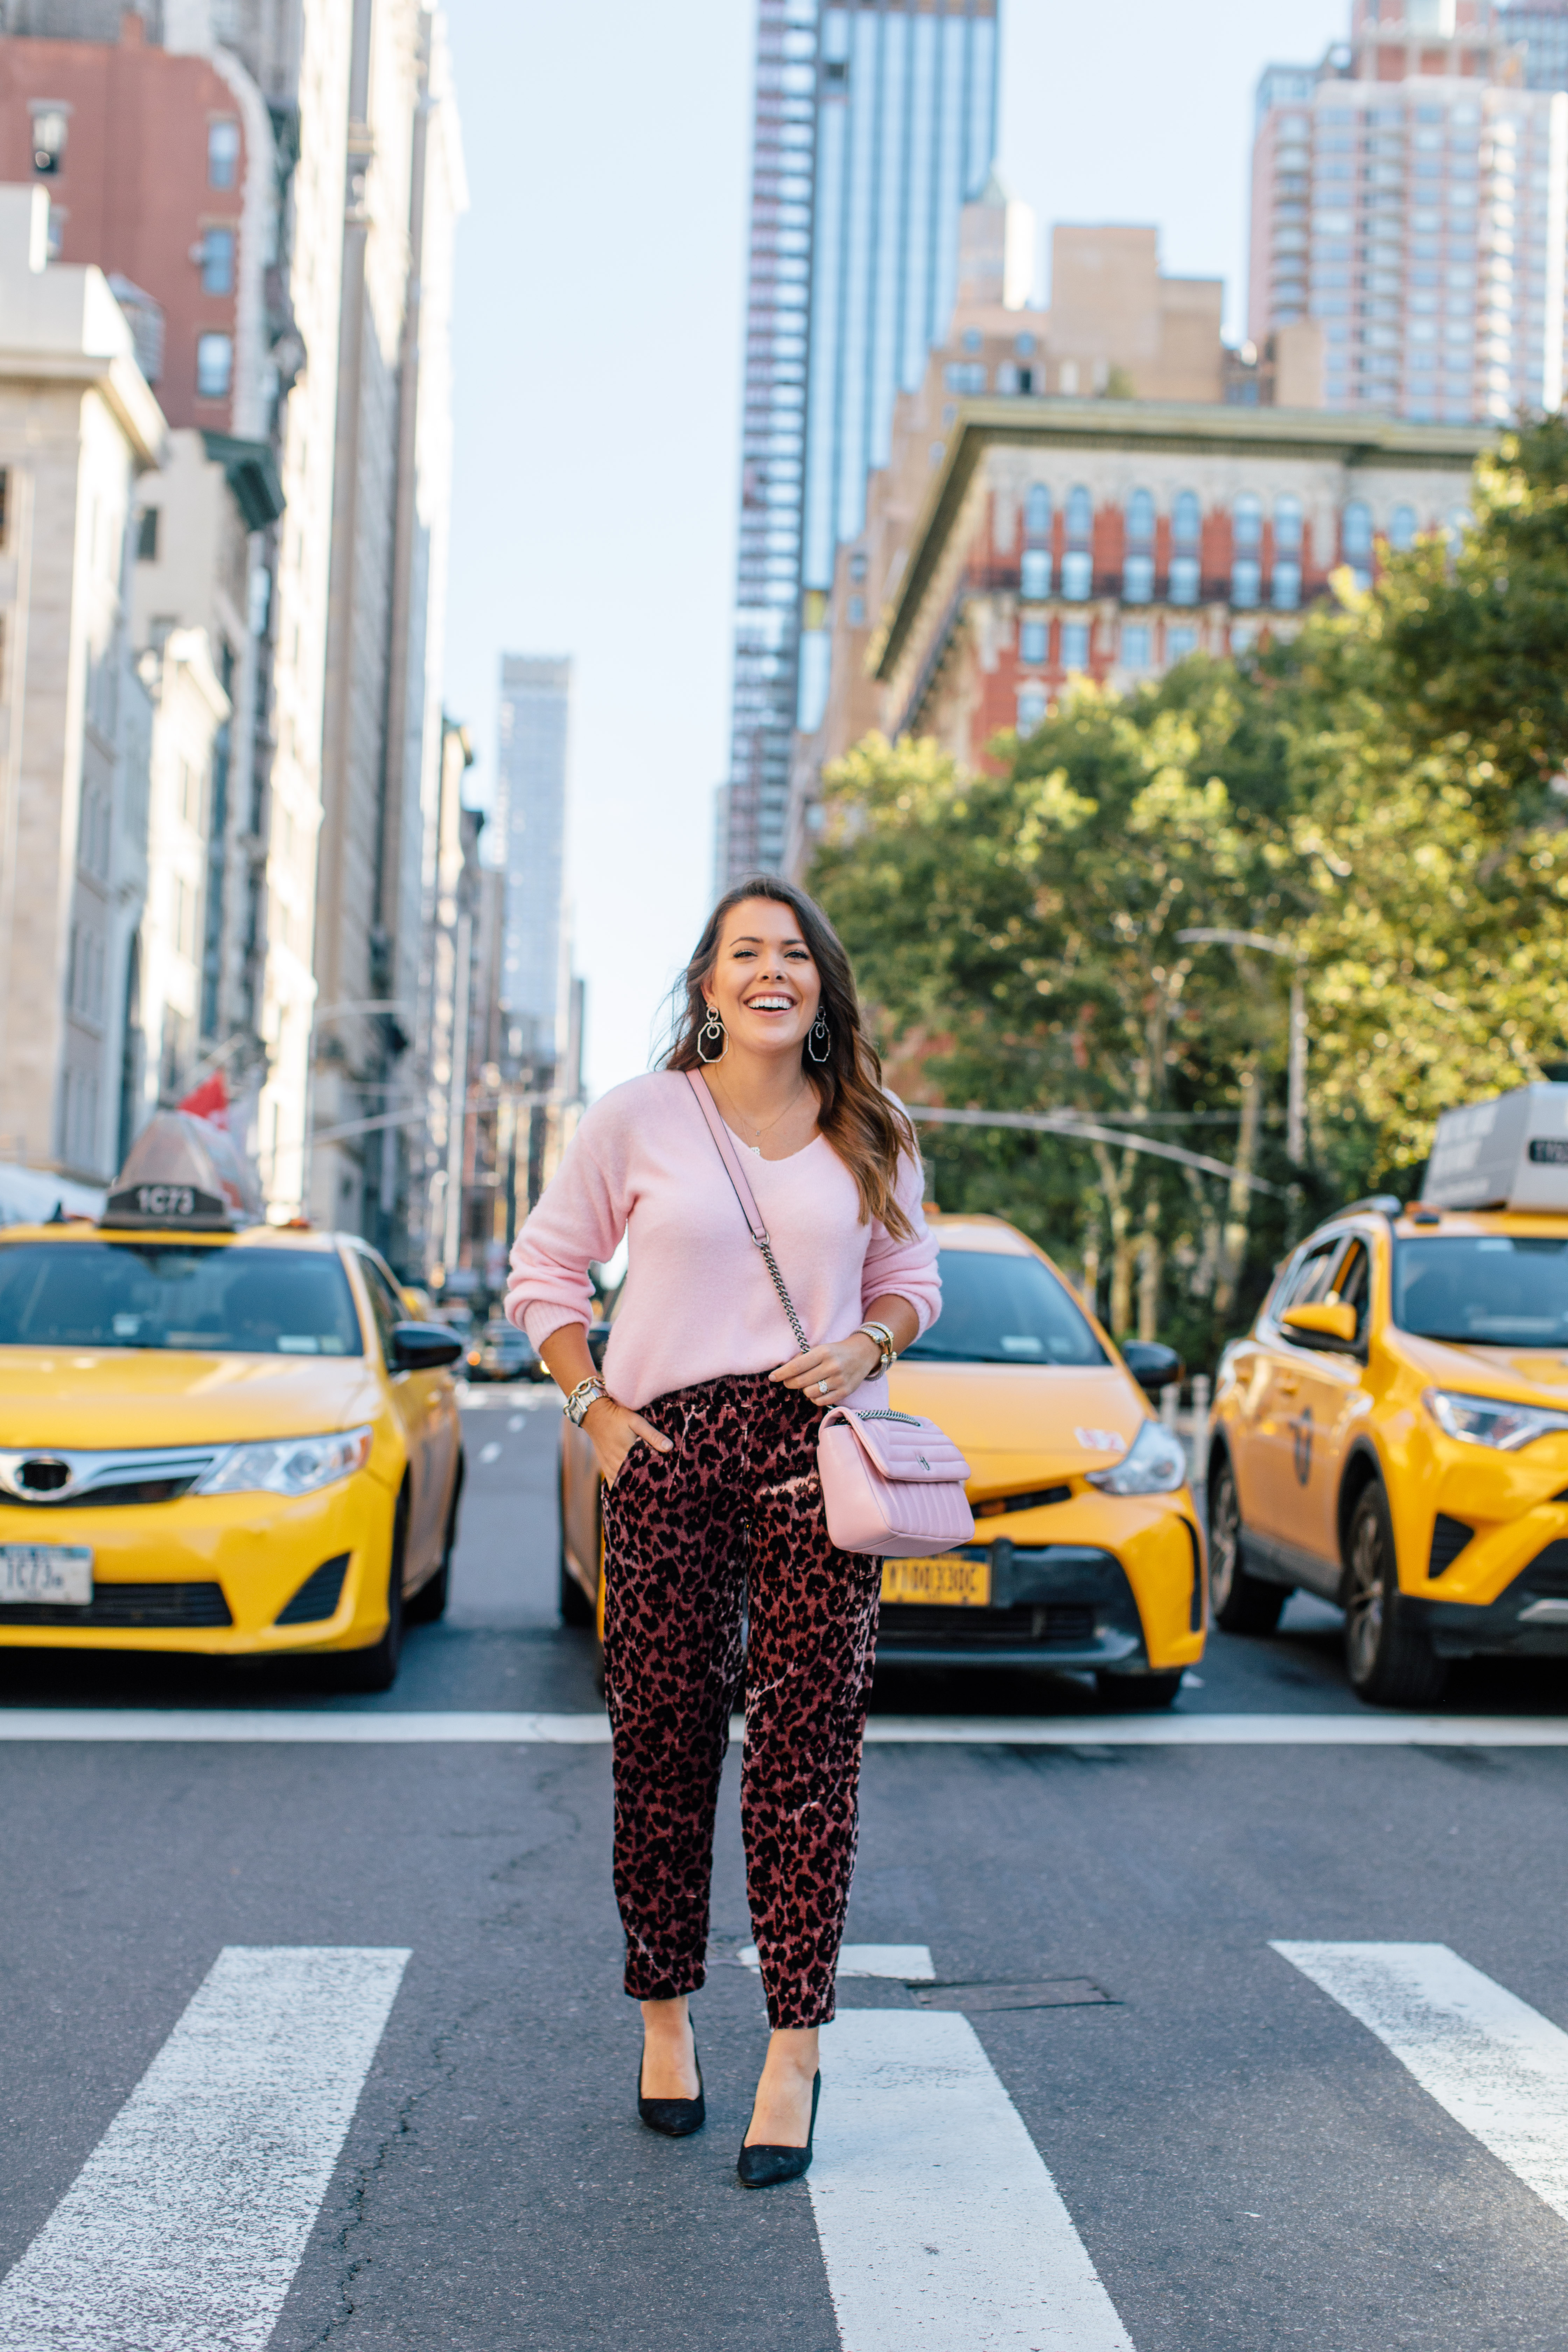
(1109, 539)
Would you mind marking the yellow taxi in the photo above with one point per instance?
(1088, 1554)
(228, 1440)
(1393, 1435)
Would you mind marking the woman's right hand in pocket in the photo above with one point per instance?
(613, 1429)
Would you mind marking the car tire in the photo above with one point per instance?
(376, 1669)
(1388, 1653)
(1137, 1693)
(1239, 1601)
(577, 1609)
(429, 1603)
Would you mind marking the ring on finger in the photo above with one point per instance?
(822, 1388)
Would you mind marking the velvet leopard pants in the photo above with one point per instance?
(729, 1524)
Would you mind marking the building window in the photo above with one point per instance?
(857, 611)
(49, 126)
(1183, 579)
(1034, 575)
(858, 564)
(1078, 576)
(1032, 641)
(965, 375)
(1139, 520)
(1075, 644)
(1286, 586)
(1031, 709)
(1402, 529)
(974, 340)
(1038, 512)
(218, 261)
(223, 154)
(1246, 523)
(215, 366)
(1080, 513)
(1245, 581)
(1138, 580)
(147, 536)
(1356, 533)
(1186, 520)
(1286, 526)
(1025, 346)
(1135, 649)
(1007, 377)
(1181, 644)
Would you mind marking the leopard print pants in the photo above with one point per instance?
(732, 1520)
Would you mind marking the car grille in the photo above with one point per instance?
(131, 1605)
(996, 1504)
(317, 1596)
(1548, 1572)
(1057, 1623)
(1449, 1537)
(43, 1480)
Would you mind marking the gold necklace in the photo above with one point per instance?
(759, 1131)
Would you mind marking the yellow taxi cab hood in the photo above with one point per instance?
(1523, 1375)
(100, 1399)
(1031, 1424)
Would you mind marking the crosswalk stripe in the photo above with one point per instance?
(1496, 2065)
(185, 2225)
(388, 1727)
(941, 2229)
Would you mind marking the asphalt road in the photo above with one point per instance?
(1245, 2161)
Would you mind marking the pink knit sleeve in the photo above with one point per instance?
(579, 1219)
(907, 1269)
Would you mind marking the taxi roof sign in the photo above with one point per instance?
(1509, 1153)
(184, 1172)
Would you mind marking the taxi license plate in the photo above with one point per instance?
(60, 1573)
(950, 1583)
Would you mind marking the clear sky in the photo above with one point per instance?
(598, 354)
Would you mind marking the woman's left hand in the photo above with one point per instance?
(829, 1374)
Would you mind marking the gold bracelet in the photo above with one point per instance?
(884, 1339)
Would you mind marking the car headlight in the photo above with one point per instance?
(1491, 1420)
(290, 1465)
(1155, 1463)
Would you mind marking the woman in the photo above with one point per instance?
(705, 1426)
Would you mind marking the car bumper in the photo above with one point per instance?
(1135, 1609)
(1529, 1620)
(212, 1574)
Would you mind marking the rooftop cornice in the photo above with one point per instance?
(118, 379)
(1196, 428)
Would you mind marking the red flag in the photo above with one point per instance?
(208, 1100)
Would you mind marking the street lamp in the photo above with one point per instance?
(1296, 1065)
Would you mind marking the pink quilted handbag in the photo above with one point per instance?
(892, 1484)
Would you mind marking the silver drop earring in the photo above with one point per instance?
(712, 1029)
(820, 1033)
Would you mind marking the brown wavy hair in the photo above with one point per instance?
(866, 1127)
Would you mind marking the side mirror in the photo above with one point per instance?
(1151, 1364)
(598, 1340)
(424, 1346)
(1323, 1324)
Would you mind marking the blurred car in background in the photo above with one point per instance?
(502, 1352)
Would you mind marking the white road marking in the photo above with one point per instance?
(514, 1425)
(352, 1726)
(182, 2231)
(1496, 2065)
(490, 1453)
(942, 2230)
(909, 1963)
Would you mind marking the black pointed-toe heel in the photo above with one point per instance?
(764, 2167)
(676, 2118)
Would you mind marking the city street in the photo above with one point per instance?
(1244, 2163)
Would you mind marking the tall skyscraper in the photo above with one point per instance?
(874, 124)
(1542, 27)
(1411, 193)
(529, 830)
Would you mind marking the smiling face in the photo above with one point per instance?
(764, 983)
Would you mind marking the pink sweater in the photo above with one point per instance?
(698, 1302)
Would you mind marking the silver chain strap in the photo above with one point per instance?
(786, 1301)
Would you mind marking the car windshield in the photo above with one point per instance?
(1493, 1290)
(216, 1300)
(1002, 1309)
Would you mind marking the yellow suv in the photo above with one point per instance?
(1392, 1435)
